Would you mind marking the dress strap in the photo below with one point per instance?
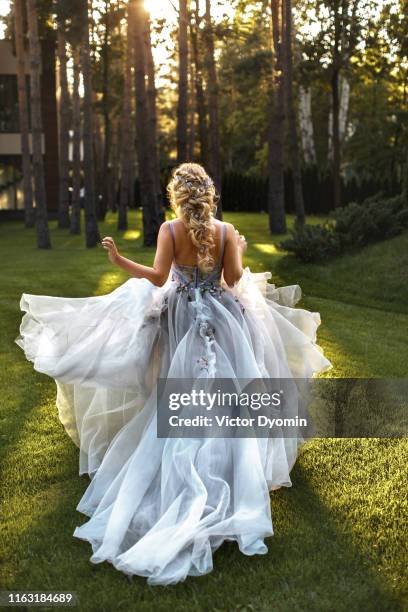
(172, 236)
(223, 234)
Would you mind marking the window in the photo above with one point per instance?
(11, 188)
(9, 119)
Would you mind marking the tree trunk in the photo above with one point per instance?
(200, 98)
(107, 137)
(182, 84)
(98, 151)
(91, 226)
(191, 122)
(343, 110)
(343, 97)
(113, 188)
(146, 175)
(306, 126)
(64, 116)
(152, 115)
(335, 79)
(76, 147)
(405, 178)
(293, 137)
(43, 238)
(276, 190)
(29, 212)
(214, 152)
(126, 161)
(336, 139)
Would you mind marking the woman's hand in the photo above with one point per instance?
(109, 245)
(242, 243)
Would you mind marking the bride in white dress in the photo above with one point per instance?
(160, 507)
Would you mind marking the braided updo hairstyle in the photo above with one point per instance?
(193, 198)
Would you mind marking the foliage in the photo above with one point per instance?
(244, 74)
(312, 243)
(376, 68)
(351, 227)
(378, 116)
(376, 219)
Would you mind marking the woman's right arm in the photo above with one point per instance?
(235, 246)
(157, 274)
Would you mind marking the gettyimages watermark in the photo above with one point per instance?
(282, 408)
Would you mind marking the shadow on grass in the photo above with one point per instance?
(26, 397)
(312, 563)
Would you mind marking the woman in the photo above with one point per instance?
(159, 507)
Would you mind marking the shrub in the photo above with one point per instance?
(312, 243)
(351, 227)
(374, 220)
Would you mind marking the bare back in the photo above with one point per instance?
(185, 252)
(174, 246)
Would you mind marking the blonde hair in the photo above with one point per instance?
(193, 198)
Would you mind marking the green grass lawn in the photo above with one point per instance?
(340, 536)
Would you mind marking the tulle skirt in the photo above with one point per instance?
(160, 507)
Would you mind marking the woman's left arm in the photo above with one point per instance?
(159, 273)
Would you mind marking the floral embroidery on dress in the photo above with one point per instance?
(195, 286)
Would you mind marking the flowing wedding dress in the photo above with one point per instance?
(160, 507)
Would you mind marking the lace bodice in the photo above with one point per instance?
(188, 277)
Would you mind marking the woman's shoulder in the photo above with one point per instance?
(165, 228)
(223, 225)
(177, 226)
(171, 225)
(228, 228)
(174, 224)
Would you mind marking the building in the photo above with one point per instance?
(11, 197)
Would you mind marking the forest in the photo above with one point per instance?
(293, 106)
